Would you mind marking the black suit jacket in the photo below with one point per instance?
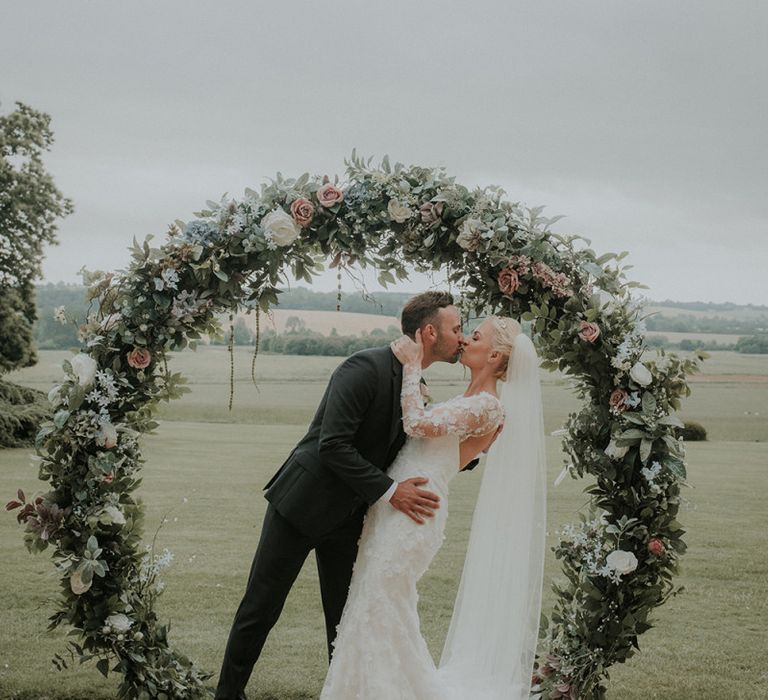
(339, 466)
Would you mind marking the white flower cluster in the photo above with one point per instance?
(588, 538)
(630, 348)
(169, 279)
(151, 567)
(237, 223)
(650, 474)
(184, 305)
(269, 238)
(105, 392)
(590, 545)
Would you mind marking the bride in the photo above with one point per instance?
(379, 652)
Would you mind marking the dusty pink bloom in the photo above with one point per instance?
(108, 478)
(509, 281)
(521, 263)
(656, 547)
(431, 212)
(139, 358)
(618, 399)
(589, 331)
(329, 195)
(556, 281)
(302, 211)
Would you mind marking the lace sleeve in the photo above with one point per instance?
(465, 416)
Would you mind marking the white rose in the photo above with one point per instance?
(84, 366)
(621, 561)
(107, 435)
(281, 226)
(398, 212)
(468, 234)
(115, 515)
(614, 451)
(641, 374)
(119, 622)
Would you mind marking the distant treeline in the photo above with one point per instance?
(709, 306)
(380, 303)
(51, 334)
(707, 324)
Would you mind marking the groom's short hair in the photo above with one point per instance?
(422, 309)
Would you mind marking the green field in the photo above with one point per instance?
(710, 642)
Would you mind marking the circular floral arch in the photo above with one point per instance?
(618, 561)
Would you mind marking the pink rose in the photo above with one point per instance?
(431, 212)
(139, 358)
(618, 399)
(509, 281)
(656, 547)
(588, 331)
(108, 478)
(302, 211)
(329, 195)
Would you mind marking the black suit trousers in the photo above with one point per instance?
(281, 553)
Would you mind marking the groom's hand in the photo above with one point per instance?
(416, 503)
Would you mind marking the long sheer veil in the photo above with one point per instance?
(491, 643)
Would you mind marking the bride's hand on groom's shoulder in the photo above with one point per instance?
(416, 503)
(408, 351)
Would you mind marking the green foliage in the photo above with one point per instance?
(30, 204)
(687, 323)
(754, 344)
(692, 431)
(503, 257)
(242, 335)
(17, 349)
(22, 410)
(310, 343)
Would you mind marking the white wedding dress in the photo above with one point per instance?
(379, 652)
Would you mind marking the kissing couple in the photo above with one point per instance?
(367, 489)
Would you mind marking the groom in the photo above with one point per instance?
(318, 497)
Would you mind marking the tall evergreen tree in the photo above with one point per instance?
(30, 205)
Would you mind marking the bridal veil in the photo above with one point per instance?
(491, 643)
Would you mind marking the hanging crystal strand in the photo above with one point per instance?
(256, 347)
(338, 285)
(231, 348)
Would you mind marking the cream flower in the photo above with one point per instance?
(107, 435)
(615, 452)
(470, 231)
(398, 212)
(621, 561)
(641, 374)
(118, 622)
(84, 367)
(281, 227)
(115, 515)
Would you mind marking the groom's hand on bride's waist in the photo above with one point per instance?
(416, 503)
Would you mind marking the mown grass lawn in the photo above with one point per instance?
(709, 642)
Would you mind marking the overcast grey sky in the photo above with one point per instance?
(643, 122)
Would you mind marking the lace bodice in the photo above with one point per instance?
(463, 416)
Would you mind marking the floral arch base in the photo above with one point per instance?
(618, 561)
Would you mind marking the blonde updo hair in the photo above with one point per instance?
(506, 331)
